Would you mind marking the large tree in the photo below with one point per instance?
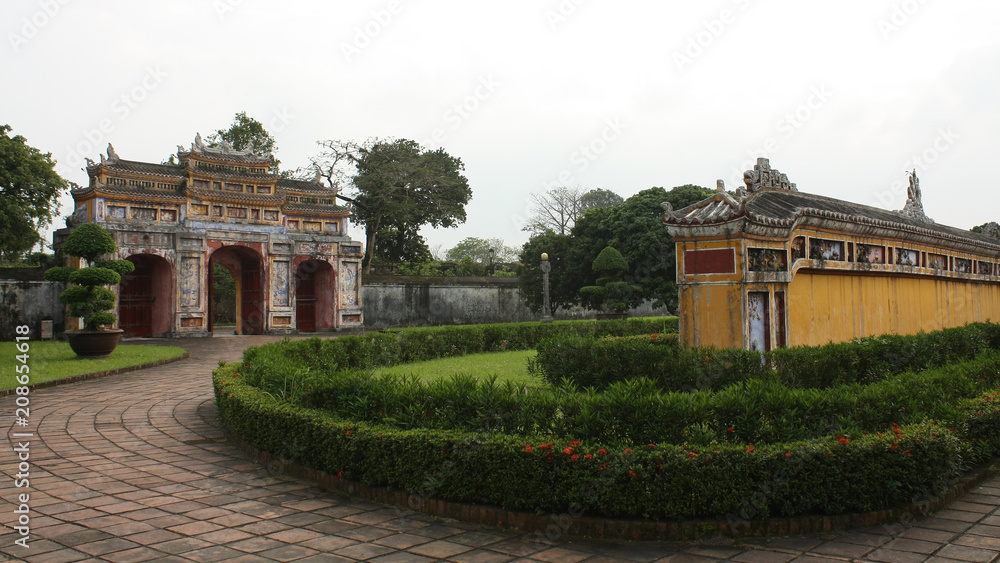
(29, 193)
(558, 209)
(397, 187)
(248, 133)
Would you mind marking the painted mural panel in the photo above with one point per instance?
(190, 282)
(757, 305)
(349, 286)
(279, 281)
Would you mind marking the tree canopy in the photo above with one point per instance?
(247, 133)
(635, 228)
(29, 194)
(397, 187)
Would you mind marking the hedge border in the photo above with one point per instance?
(97, 374)
(590, 527)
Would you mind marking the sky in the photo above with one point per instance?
(843, 97)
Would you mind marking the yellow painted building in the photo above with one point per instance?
(772, 267)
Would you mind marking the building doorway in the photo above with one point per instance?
(314, 296)
(246, 267)
(145, 297)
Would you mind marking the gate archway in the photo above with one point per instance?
(145, 297)
(314, 296)
(247, 267)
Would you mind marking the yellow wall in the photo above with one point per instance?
(711, 315)
(824, 307)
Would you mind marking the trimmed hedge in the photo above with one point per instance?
(401, 346)
(753, 449)
(637, 411)
(828, 475)
(601, 362)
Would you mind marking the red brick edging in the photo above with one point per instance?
(95, 375)
(560, 525)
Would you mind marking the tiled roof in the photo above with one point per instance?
(171, 170)
(313, 209)
(784, 208)
(303, 186)
(131, 192)
(236, 197)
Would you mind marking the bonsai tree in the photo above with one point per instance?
(612, 293)
(88, 298)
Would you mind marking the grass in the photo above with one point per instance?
(507, 366)
(55, 360)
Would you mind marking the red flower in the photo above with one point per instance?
(628, 451)
(730, 430)
(528, 448)
(575, 457)
(549, 458)
(750, 448)
(907, 452)
(340, 474)
(789, 454)
(692, 455)
(632, 473)
(575, 443)
(588, 456)
(348, 433)
(602, 467)
(602, 451)
(651, 446)
(893, 446)
(567, 451)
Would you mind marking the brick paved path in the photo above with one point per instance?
(134, 467)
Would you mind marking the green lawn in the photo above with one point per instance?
(507, 366)
(55, 360)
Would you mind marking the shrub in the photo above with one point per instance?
(752, 449)
(89, 299)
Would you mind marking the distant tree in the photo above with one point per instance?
(247, 133)
(599, 198)
(29, 194)
(558, 209)
(396, 187)
(635, 228)
(563, 290)
(478, 250)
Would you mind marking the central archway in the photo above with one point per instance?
(247, 267)
(314, 296)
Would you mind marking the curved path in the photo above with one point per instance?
(134, 467)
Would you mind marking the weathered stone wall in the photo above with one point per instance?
(394, 301)
(27, 299)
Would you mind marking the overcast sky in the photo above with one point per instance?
(843, 97)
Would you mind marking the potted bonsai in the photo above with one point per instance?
(612, 296)
(88, 297)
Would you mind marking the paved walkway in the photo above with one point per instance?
(134, 467)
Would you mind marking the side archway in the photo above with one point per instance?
(315, 307)
(146, 297)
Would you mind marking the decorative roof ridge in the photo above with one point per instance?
(224, 150)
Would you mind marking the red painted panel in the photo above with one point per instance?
(717, 261)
